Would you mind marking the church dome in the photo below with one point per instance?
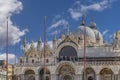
(92, 25)
(89, 33)
(97, 33)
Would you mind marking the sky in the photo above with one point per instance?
(26, 19)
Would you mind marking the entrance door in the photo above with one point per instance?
(31, 78)
(90, 78)
(67, 77)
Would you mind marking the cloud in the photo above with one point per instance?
(8, 8)
(75, 14)
(11, 58)
(56, 18)
(111, 36)
(77, 8)
(59, 23)
(96, 6)
(57, 26)
(105, 32)
(107, 36)
(55, 32)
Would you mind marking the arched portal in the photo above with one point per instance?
(90, 78)
(68, 51)
(106, 74)
(67, 77)
(90, 74)
(43, 75)
(66, 72)
(29, 75)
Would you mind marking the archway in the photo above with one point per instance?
(29, 75)
(90, 78)
(66, 72)
(90, 74)
(46, 75)
(67, 77)
(68, 51)
(106, 74)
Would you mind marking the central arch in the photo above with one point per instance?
(106, 74)
(29, 75)
(66, 72)
(90, 78)
(67, 77)
(67, 51)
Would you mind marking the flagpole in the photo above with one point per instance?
(45, 48)
(7, 51)
(84, 46)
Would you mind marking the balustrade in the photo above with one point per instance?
(80, 61)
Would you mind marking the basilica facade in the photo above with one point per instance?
(65, 59)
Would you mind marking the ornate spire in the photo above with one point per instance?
(24, 47)
(98, 36)
(40, 40)
(68, 30)
(83, 20)
(32, 45)
(54, 39)
(25, 42)
(39, 44)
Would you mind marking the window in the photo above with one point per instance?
(21, 61)
(47, 60)
(33, 61)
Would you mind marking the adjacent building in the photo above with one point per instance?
(3, 71)
(10, 72)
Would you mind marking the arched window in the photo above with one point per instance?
(29, 75)
(66, 72)
(47, 60)
(89, 74)
(68, 51)
(32, 60)
(21, 61)
(106, 74)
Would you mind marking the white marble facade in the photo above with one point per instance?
(65, 59)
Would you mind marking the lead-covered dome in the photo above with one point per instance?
(92, 25)
(90, 35)
(97, 33)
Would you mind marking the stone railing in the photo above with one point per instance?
(35, 64)
(76, 60)
(92, 61)
(99, 63)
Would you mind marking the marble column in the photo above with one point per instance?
(36, 76)
(77, 77)
(97, 76)
(54, 77)
(116, 77)
(81, 77)
(113, 78)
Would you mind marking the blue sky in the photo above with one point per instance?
(26, 18)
